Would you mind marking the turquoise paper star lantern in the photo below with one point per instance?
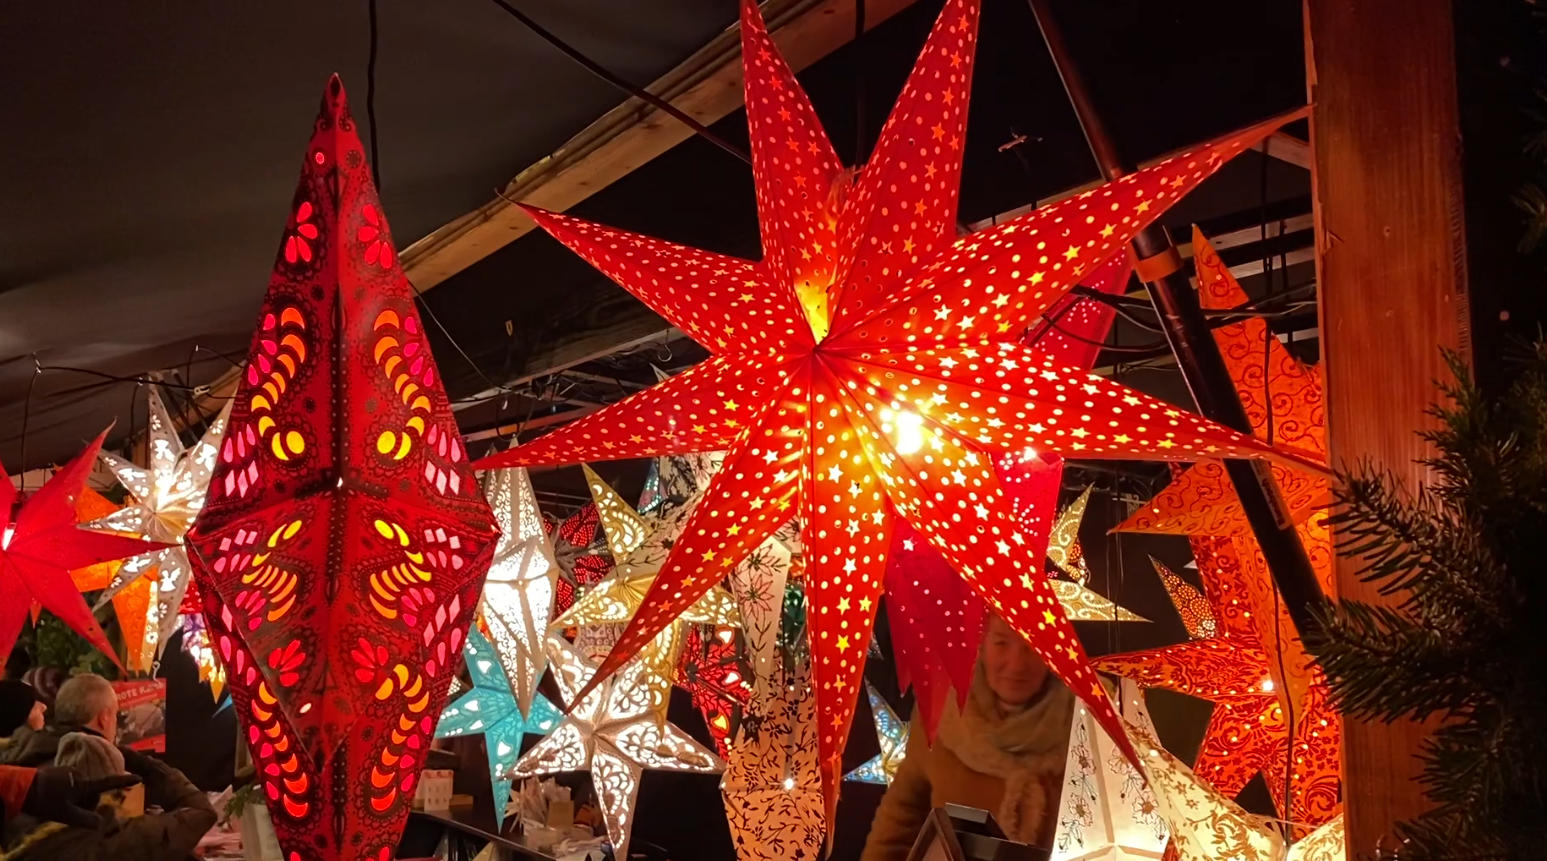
(892, 733)
(490, 708)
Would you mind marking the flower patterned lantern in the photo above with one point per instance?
(342, 548)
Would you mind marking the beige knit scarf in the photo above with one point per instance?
(1026, 750)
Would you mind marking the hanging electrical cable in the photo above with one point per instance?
(602, 72)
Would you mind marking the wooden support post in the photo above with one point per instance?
(1391, 269)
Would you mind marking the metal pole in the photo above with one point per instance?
(1197, 355)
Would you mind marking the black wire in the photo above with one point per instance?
(139, 380)
(202, 349)
(370, 96)
(26, 417)
(1144, 348)
(637, 92)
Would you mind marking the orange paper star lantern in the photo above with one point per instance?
(868, 368)
(1254, 642)
(1250, 729)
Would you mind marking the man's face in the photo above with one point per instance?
(109, 724)
(35, 717)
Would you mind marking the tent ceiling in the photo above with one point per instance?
(150, 159)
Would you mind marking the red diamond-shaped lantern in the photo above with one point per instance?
(344, 541)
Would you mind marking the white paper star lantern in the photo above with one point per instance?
(518, 593)
(1106, 813)
(892, 734)
(165, 497)
(616, 732)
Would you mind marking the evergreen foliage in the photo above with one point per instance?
(1465, 641)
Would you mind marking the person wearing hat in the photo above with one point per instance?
(126, 832)
(20, 706)
(86, 703)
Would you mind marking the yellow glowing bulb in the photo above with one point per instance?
(909, 430)
(789, 784)
(1267, 685)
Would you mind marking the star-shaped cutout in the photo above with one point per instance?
(615, 731)
(491, 708)
(836, 364)
(164, 498)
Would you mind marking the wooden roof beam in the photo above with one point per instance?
(707, 86)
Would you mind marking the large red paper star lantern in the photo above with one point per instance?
(936, 619)
(41, 544)
(868, 367)
(344, 541)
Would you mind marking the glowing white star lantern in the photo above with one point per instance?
(640, 545)
(518, 593)
(1204, 825)
(616, 732)
(1106, 813)
(165, 497)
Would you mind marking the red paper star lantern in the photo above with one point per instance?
(937, 620)
(41, 544)
(344, 541)
(868, 367)
(713, 672)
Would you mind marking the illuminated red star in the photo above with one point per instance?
(869, 368)
(42, 544)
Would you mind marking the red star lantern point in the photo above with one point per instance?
(41, 544)
(343, 545)
(867, 368)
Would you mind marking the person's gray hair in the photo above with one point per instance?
(82, 698)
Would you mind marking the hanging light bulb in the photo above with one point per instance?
(1267, 686)
(908, 431)
(5, 539)
(789, 784)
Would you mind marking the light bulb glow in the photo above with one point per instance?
(1267, 685)
(908, 431)
(5, 539)
(789, 784)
